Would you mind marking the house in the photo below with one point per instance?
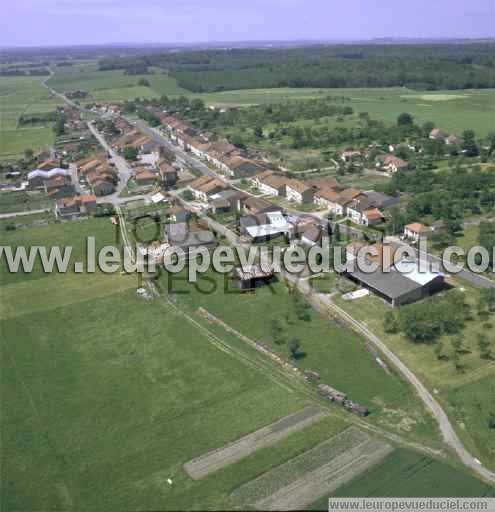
(397, 281)
(67, 207)
(251, 277)
(270, 183)
(47, 165)
(181, 235)
(178, 214)
(218, 151)
(102, 179)
(88, 204)
(206, 186)
(240, 167)
(326, 183)
(236, 198)
(391, 163)
(327, 198)
(264, 226)
(220, 206)
(312, 236)
(437, 134)
(415, 231)
(299, 192)
(256, 205)
(39, 177)
(453, 140)
(382, 201)
(59, 186)
(373, 216)
(350, 155)
(168, 173)
(86, 166)
(145, 177)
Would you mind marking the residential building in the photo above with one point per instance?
(256, 205)
(206, 186)
(299, 192)
(264, 226)
(415, 231)
(391, 163)
(145, 177)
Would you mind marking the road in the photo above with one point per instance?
(157, 137)
(125, 171)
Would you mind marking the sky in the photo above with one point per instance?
(71, 22)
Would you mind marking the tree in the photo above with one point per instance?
(28, 154)
(390, 323)
(130, 153)
(187, 195)
(469, 145)
(426, 128)
(485, 347)
(143, 82)
(277, 334)
(258, 132)
(491, 421)
(294, 347)
(439, 352)
(405, 120)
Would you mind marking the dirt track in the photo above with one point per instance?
(213, 461)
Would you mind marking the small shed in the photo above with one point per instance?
(249, 278)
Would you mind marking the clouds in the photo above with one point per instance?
(103, 21)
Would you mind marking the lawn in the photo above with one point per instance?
(24, 95)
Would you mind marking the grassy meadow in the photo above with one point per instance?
(454, 390)
(112, 85)
(24, 95)
(337, 354)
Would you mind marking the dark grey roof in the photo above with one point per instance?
(392, 284)
(179, 234)
(379, 200)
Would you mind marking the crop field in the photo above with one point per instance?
(112, 85)
(23, 95)
(316, 472)
(408, 474)
(455, 390)
(208, 463)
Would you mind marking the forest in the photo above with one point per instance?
(422, 67)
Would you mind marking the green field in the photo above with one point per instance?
(335, 353)
(23, 95)
(408, 474)
(105, 396)
(455, 111)
(112, 85)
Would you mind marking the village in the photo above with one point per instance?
(202, 187)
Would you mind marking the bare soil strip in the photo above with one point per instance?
(212, 461)
(327, 478)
